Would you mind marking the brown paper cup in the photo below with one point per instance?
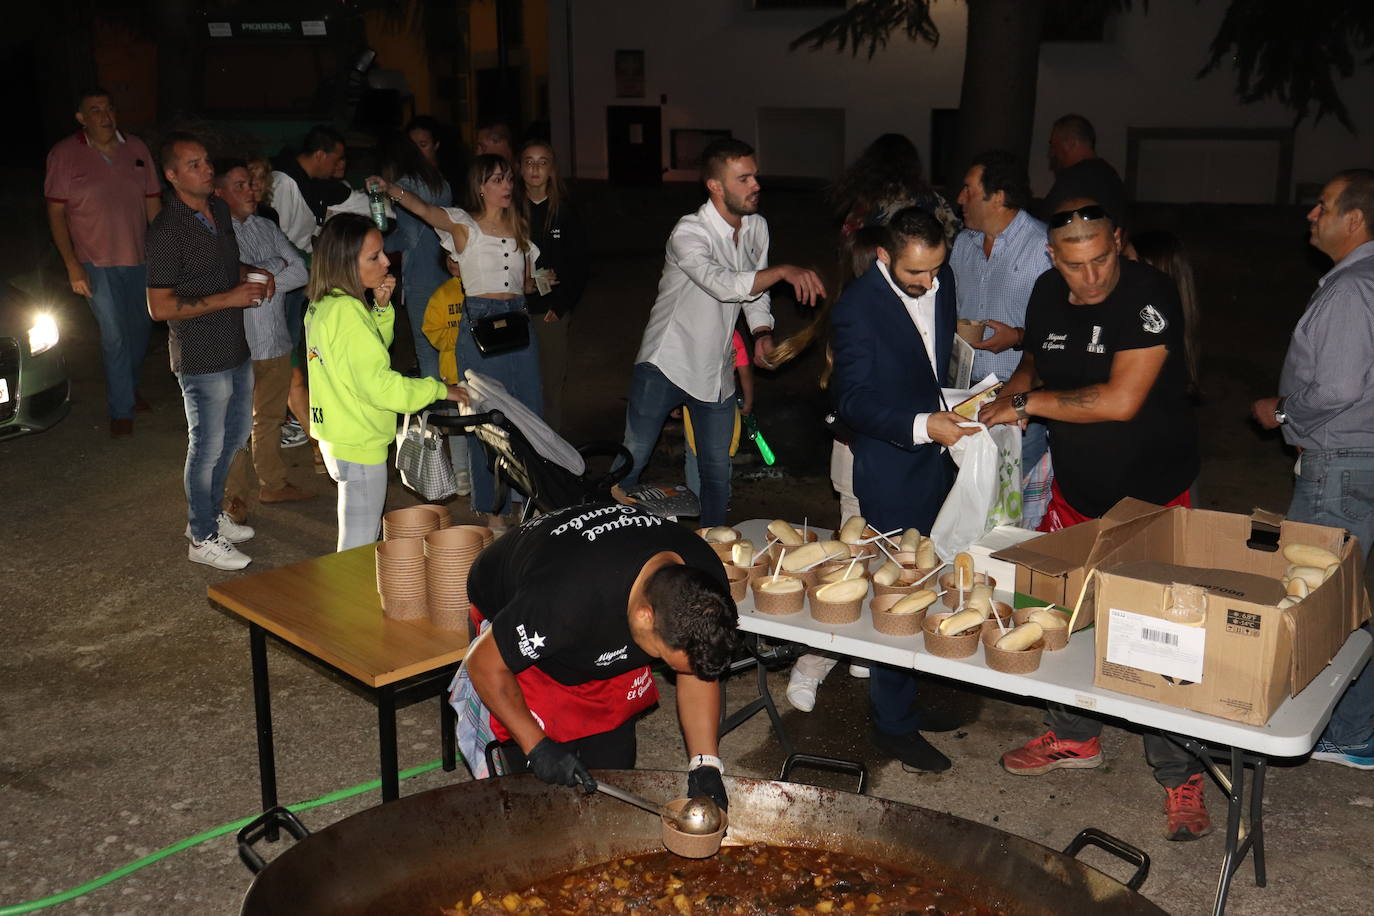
(413, 521)
(461, 539)
(440, 512)
(1022, 662)
(961, 646)
(899, 589)
(774, 603)
(951, 598)
(761, 568)
(449, 615)
(404, 608)
(970, 330)
(894, 624)
(833, 611)
(1054, 639)
(739, 581)
(691, 845)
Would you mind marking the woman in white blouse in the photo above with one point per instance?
(490, 242)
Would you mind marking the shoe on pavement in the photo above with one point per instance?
(801, 691)
(859, 671)
(913, 750)
(1358, 756)
(218, 552)
(1186, 812)
(229, 529)
(286, 493)
(939, 720)
(1050, 752)
(292, 435)
(121, 427)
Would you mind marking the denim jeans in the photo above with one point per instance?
(362, 497)
(219, 417)
(1336, 487)
(518, 370)
(119, 300)
(652, 397)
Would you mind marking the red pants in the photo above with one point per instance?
(1059, 514)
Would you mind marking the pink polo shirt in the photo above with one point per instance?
(105, 198)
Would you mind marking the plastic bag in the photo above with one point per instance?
(986, 493)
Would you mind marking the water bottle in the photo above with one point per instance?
(376, 205)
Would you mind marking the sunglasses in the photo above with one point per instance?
(1064, 217)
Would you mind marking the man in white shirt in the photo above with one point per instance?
(716, 264)
(892, 332)
(303, 185)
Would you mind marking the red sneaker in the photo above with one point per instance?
(1050, 752)
(1186, 811)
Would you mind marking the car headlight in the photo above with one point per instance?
(43, 334)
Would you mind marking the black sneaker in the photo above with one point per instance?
(913, 750)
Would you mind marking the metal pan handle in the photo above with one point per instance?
(1091, 836)
(270, 821)
(817, 762)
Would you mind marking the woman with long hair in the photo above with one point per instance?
(887, 177)
(557, 232)
(490, 241)
(412, 162)
(354, 393)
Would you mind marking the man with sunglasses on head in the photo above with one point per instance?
(1103, 367)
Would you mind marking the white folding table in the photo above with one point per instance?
(1066, 677)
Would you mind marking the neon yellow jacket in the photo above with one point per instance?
(442, 315)
(354, 393)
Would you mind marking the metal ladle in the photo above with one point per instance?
(699, 817)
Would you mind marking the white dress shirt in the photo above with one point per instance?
(922, 312)
(707, 278)
(293, 213)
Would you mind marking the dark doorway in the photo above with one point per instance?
(634, 145)
(498, 101)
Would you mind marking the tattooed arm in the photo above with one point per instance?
(164, 304)
(1134, 373)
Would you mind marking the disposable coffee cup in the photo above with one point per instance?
(257, 276)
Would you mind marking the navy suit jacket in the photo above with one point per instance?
(882, 379)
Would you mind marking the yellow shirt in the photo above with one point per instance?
(442, 315)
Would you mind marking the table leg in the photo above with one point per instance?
(448, 736)
(1257, 818)
(386, 743)
(1235, 794)
(262, 708)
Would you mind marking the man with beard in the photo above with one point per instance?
(716, 264)
(892, 332)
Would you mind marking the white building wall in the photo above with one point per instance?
(718, 62)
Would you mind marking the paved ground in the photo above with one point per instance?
(126, 711)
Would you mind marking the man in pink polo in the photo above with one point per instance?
(102, 191)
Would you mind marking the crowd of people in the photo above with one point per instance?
(279, 295)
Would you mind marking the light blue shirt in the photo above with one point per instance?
(263, 245)
(999, 286)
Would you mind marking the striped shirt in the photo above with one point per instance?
(263, 245)
(999, 286)
(192, 261)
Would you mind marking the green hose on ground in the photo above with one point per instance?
(45, 902)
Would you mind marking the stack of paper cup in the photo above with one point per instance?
(486, 534)
(401, 578)
(441, 512)
(412, 522)
(449, 554)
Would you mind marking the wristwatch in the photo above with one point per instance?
(1279, 416)
(1018, 404)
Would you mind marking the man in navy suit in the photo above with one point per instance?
(892, 332)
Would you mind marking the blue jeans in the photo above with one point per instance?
(517, 370)
(652, 398)
(1336, 487)
(219, 418)
(119, 300)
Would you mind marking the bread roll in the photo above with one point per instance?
(722, 534)
(1309, 555)
(844, 590)
(917, 601)
(779, 584)
(1309, 574)
(887, 574)
(787, 535)
(852, 530)
(1048, 619)
(1021, 638)
(848, 571)
(963, 571)
(1298, 588)
(925, 554)
(955, 624)
(911, 540)
(742, 553)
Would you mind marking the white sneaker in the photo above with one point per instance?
(859, 671)
(801, 691)
(218, 552)
(231, 530)
(292, 435)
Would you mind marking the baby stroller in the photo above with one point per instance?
(524, 453)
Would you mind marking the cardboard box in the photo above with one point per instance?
(1004, 572)
(1249, 655)
(1051, 568)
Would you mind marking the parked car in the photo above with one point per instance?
(34, 389)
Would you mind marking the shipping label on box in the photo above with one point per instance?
(1173, 650)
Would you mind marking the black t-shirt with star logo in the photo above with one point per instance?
(557, 589)
(1153, 456)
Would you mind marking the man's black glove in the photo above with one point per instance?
(555, 764)
(705, 780)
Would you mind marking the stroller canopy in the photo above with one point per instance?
(489, 394)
